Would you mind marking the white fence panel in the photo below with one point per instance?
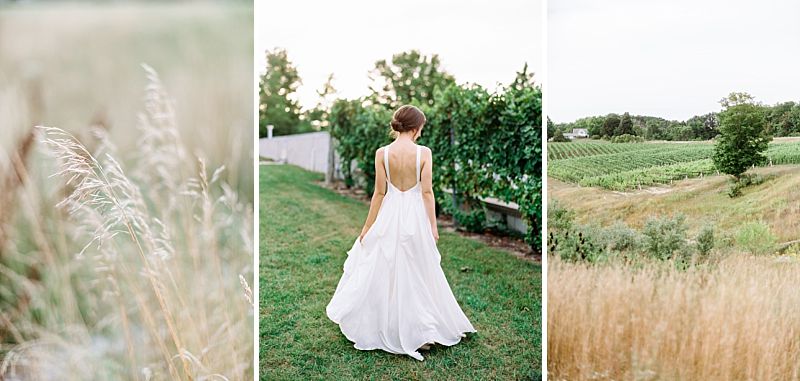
(309, 151)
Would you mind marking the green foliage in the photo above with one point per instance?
(275, 87)
(559, 137)
(783, 119)
(551, 127)
(665, 238)
(569, 240)
(737, 99)
(484, 144)
(610, 125)
(627, 138)
(737, 184)
(743, 138)
(319, 115)
(620, 238)
(359, 130)
(704, 127)
(625, 126)
(559, 218)
(756, 238)
(705, 240)
(409, 77)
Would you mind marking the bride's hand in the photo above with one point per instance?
(436, 235)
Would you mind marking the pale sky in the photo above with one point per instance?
(669, 58)
(478, 41)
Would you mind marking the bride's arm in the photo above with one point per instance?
(377, 195)
(427, 190)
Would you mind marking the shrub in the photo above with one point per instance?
(619, 237)
(665, 238)
(559, 218)
(756, 238)
(627, 138)
(705, 241)
(745, 180)
(559, 137)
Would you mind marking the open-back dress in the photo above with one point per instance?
(393, 294)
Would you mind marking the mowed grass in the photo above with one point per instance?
(305, 232)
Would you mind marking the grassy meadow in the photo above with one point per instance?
(728, 312)
(126, 225)
(306, 231)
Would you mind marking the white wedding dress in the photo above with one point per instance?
(393, 294)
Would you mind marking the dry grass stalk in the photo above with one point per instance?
(739, 320)
(13, 177)
(169, 302)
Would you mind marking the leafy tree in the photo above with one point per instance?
(736, 98)
(743, 137)
(276, 86)
(558, 136)
(320, 113)
(409, 77)
(610, 125)
(625, 126)
(782, 119)
(704, 127)
(679, 131)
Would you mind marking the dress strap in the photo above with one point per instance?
(419, 174)
(386, 163)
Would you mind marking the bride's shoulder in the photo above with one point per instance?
(425, 149)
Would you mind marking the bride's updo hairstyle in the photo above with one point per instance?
(407, 118)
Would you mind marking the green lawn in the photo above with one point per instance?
(306, 231)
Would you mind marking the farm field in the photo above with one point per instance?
(627, 166)
(730, 314)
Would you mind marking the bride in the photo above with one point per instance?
(393, 294)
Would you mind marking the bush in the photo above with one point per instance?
(744, 181)
(705, 240)
(756, 238)
(627, 138)
(559, 137)
(620, 238)
(665, 238)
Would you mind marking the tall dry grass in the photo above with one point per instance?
(736, 320)
(124, 265)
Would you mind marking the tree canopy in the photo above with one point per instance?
(408, 77)
(743, 138)
(276, 86)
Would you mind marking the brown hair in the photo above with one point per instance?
(407, 118)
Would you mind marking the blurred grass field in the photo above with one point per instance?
(70, 65)
(126, 240)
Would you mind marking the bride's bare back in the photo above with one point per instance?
(407, 123)
(403, 164)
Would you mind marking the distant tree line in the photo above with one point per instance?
(782, 119)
